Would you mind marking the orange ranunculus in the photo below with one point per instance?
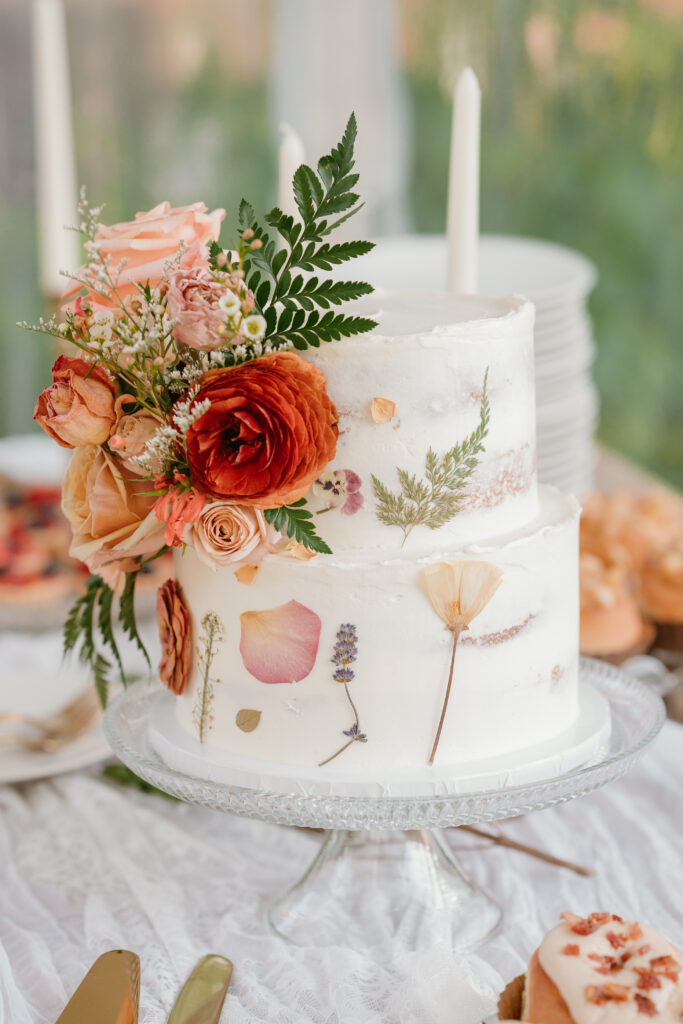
(149, 241)
(270, 431)
(78, 407)
(174, 634)
(113, 521)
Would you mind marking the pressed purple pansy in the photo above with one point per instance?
(340, 488)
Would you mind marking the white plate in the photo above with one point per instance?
(36, 681)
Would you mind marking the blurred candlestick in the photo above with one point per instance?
(55, 162)
(290, 157)
(463, 185)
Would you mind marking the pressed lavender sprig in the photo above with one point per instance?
(343, 656)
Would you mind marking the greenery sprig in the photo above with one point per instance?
(295, 521)
(95, 607)
(281, 270)
(435, 500)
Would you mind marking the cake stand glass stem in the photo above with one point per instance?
(370, 889)
(455, 631)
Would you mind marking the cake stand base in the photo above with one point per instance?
(370, 889)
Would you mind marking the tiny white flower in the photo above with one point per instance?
(105, 317)
(254, 327)
(230, 303)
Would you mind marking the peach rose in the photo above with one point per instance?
(226, 533)
(269, 431)
(174, 633)
(149, 241)
(129, 440)
(192, 299)
(78, 407)
(112, 520)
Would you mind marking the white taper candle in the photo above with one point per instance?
(290, 157)
(55, 159)
(463, 185)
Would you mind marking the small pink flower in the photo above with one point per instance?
(178, 507)
(341, 489)
(192, 299)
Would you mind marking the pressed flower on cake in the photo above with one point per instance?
(280, 645)
(340, 489)
(458, 592)
(174, 634)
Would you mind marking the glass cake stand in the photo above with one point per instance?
(384, 870)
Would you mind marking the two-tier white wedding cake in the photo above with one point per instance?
(450, 601)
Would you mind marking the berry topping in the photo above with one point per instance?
(605, 963)
(571, 950)
(615, 941)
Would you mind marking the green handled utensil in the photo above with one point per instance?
(109, 993)
(203, 994)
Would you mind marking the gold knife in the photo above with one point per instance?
(203, 994)
(109, 993)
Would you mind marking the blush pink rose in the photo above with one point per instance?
(174, 634)
(112, 519)
(148, 242)
(129, 440)
(225, 534)
(192, 299)
(78, 407)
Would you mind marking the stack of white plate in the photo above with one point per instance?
(558, 281)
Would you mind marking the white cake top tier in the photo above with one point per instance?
(420, 384)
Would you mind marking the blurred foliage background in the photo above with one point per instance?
(582, 143)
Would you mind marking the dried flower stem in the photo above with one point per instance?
(531, 851)
(353, 738)
(455, 631)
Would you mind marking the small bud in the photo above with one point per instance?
(116, 442)
(221, 259)
(256, 244)
(248, 234)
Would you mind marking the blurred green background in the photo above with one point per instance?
(582, 143)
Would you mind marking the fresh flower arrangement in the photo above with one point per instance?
(192, 418)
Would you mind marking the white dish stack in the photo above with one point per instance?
(558, 281)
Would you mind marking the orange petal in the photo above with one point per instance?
(382, 410)
(247, 574)
(280, 645)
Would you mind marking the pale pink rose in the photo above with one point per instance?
(225, 534)
(192, 299)
(113, 521)
(78, 407)
(131, 434)
(174, 634)
(149, 241)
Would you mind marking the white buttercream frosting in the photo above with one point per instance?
(429, 355)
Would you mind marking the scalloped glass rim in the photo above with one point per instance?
(637, 716)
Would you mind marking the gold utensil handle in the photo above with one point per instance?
(202, 996)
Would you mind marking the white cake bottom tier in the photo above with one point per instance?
(271, 695)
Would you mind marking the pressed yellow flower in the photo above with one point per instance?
(458, 591)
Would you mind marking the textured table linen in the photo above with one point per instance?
(86, 866)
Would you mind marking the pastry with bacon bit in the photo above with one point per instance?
(598, 969)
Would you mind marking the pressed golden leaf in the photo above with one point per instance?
(247, 574)
(296, 550)
(247, 719)
(382, 410)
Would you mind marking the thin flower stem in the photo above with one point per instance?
(456, 631)
(353, 738)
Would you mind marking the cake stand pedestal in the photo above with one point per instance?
(384, 869)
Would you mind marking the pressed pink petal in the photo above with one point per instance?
(353, 503)
(353, 481)
(280, 645)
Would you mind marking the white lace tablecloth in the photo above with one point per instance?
(86, 866)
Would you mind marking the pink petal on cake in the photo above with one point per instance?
(280, 645)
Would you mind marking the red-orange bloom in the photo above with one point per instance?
(270, 431)
(174, 633)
